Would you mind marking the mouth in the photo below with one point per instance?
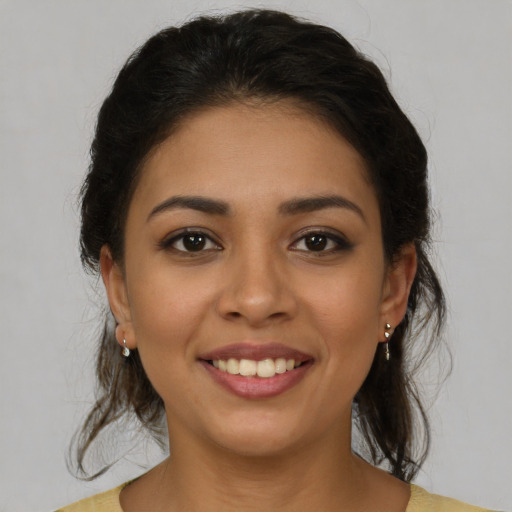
(264, 369)
(257, 371)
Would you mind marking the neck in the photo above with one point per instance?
(270, 483)
(323, 474)
(318, 475)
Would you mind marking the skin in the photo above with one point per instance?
(256, 280)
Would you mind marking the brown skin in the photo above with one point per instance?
(257, 280)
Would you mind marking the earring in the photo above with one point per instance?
(126, 350)
(387, 335)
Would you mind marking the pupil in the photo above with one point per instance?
(194, 242)
(316, 242)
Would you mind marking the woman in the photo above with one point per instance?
(258, 209)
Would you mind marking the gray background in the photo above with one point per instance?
(449, 63)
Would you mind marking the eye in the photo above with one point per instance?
(190, 242)
(321, 242)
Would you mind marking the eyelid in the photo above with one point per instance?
(168, 241)
(341, 241)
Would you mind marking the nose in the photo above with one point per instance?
(256, 290)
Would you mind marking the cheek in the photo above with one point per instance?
(166, 313)
(167, 308)
(350, 343)
(346, 313)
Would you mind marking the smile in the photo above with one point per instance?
(264, 369)
(257, 371)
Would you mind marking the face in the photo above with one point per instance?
(253, 245)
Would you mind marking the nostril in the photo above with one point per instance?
(255, 304)
(278, 314)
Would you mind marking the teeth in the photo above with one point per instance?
(280, 365)
(249, 368)
(233, 366)
(266, 368)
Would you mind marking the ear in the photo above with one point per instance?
(397, 285)
(115, 285)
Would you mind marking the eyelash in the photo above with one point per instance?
(168, 243)
(340, 243)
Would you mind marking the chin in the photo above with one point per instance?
(258, 435)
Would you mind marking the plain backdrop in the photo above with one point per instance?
(449, 65)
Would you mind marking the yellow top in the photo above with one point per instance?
(421, 501)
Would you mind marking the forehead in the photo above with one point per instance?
(253, 154)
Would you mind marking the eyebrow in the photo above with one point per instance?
(311, 204)
(199, 203)
(294, 206)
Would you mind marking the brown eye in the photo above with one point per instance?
(191, 242)
(322, 243)
(316, 242)
(194, 242)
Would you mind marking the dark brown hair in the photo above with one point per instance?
(266, 55)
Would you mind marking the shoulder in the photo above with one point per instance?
(104, 502)
(423, 501)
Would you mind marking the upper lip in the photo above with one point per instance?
(256, 352)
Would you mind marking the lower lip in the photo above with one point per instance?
(257, 387)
